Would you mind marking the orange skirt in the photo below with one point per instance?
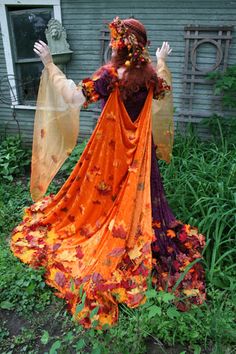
(94, 236)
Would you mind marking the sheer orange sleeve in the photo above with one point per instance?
(56, 127)
(162, 117)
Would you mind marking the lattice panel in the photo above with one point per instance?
(206, 50)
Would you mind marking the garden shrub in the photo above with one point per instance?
(224, 126)
(14, 159)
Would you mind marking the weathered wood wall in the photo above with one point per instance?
(164, 20)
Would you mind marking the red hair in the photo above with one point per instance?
(135, 77)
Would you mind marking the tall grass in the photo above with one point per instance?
(200, 184)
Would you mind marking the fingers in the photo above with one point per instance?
(166, 47)
(164, 51)
(43, 51)
(38, 47)
(36, 51)
(43, 44)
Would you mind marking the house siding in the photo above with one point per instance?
(165, 21)
(5, 111)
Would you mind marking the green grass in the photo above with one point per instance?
(200, 185)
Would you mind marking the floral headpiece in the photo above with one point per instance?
(121, 38)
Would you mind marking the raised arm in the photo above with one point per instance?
(72, 94)
(162, 69)
(162, 110)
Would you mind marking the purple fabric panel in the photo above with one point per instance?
(133, 105)
(161, 212)
(161, 209)
(103, 85)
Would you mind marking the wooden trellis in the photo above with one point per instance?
(195, 84)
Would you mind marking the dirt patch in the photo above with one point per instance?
(13, 322)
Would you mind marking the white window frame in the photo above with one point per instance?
(6, 38)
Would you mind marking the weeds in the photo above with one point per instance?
(13, 158)
(200, 185)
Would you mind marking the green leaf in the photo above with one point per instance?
(94, 312)
(106, 326)
(91, 332)
(30, 289)
(94, 323)
(9, 178)
(55, 347)
(72, 285)
(166, 297)
(45, 337)
(189, 266)
(172, 312)
(83, 298)
(150, 294)
(6, 305)
(97, 349)
(69, 336)
(79, 308)
(197, 349)
(80, 344)
(154, 311)
(81, 290)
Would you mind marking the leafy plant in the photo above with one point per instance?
(13, 158)
(14, 197)
(27, 288)
(22, 288)
(225, 85)
(224, 126)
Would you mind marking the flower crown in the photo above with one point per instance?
(121, 38)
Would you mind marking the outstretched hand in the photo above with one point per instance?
(164, 51)
(43, 52)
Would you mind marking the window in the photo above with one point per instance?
(26, 26)
(105, 48)
(22, 25)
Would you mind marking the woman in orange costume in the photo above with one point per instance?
(109, 227)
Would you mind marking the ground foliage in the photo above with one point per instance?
(14, 159)
(200, 186)
(224, 125)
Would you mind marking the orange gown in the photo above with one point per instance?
(95, 235)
